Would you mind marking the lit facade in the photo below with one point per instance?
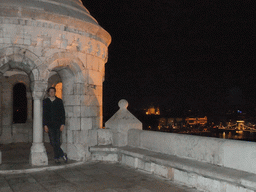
(153, 111)
(196, 120)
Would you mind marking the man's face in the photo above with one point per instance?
(52, 93)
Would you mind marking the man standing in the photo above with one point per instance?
(54, 121)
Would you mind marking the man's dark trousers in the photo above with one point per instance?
(54, 135)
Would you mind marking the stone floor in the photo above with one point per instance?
(89, 176)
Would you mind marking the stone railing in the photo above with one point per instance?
(208, 164)
(240, 155)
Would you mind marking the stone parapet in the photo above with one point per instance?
(234, 154)
(202, 176)
(208, 164)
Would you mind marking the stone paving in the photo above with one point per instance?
(89, 176)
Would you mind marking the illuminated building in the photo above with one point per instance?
(196, 120)
(153, 111)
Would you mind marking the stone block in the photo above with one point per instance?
(189, 179)
(206, 184)
(180, 176)
(101, 156)
(134, 138)
(95, 90)
(92, 62)
(145, 166)
(70, 137)
(104, 137)
(38, 159)
(77, 111)
(6, 136)
(38, 155)
(69, 111)
(92, 138)
(129, 161)
(94, 78)
(239, 155)
(78, 88)
(96, 123)
(74, 123)
(101, 66)
(160, 170)
(86, 123)
(85, 100)
(119, 139)
(78, 152)
(71, 100)
(90, 100)
(27, 41)
(231, 188)
(83, 58)
(89, 111)
(80, 137)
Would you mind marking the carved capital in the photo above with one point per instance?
(38, 89)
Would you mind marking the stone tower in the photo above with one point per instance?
(43, 43)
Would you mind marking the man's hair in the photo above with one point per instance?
(48, 90)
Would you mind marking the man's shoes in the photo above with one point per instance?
(57, 161)
(65, 158)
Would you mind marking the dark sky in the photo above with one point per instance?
(178, 54)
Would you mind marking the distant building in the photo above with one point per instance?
(153, 111)
(196, 120)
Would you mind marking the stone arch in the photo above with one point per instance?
(64, 60)
(15, 132)
(18, 61)
(20, 58)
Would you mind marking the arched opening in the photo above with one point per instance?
(19, 103)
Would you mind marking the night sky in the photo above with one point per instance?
(178, 54)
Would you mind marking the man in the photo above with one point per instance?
(54, 121)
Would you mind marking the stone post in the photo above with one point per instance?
(121, 122)
(38, 155)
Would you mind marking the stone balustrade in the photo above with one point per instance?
(240, 155)
(208, 164)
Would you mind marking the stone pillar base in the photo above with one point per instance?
(38, 155)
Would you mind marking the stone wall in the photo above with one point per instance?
(234, 154)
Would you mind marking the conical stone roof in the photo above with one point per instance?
(67, 12)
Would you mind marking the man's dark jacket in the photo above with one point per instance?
(53, 113)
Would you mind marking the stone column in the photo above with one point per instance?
(38, 155)
(29, 106)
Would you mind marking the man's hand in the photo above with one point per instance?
(61, 127)
(46, 129)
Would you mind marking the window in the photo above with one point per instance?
(19, 103)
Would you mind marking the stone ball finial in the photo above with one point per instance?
(123, 104)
